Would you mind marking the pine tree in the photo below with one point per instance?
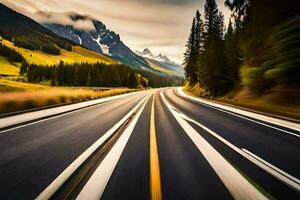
(193, 46)
(190, 46)
(212, 68)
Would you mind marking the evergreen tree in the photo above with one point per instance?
(24, 67)
(212, 67)
(193, 48)
(188, 55)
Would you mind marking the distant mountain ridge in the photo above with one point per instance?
(161, 61)
(101, 40)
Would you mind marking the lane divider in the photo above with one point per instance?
(281, 175)
(96, 185)
(239, 187)
(61, 179)
(246, 114)
(155, 183)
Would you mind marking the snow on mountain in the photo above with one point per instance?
(95, 36)
(161, 60)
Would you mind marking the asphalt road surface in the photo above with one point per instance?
(154, 144)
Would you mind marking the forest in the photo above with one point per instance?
(96, 75)
(258, 50)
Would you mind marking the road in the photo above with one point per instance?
(154, 144)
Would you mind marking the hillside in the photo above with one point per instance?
(25, 32)
(102, 40)
(29, 38)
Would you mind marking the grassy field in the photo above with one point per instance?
(7, 68)
(78, 54)
(16, 96)
(9, 85)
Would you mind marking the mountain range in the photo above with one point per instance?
(102, 40)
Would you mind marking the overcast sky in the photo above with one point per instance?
(160, 25)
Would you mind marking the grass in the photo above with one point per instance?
(78, 54)
(7, 68)
(9, 85)
(21, 100)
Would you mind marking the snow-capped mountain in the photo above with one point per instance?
(146, 53)
(161, 60)
(99, 39)
(95, 36)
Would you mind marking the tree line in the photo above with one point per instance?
(208, 58)
(11, 54)
(97, 75)
(84, 74)
(258, 49)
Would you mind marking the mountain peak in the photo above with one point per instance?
(146, 51)
(163, 58)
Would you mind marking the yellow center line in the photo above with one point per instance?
(155, 184)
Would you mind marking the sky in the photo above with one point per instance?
(161, 25)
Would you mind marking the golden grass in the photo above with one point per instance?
(7, 85)
(78, 54)
(16, 101)
(7, 68)
(196, 90)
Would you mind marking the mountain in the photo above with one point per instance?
(25, 32)
(38, 44)
(100, 39)
(161, 61)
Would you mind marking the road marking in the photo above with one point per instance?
(95, 186)
(155, 183)
(59, 181)
(284, 177)
(52, 113)
(241, 113)
(239, 186)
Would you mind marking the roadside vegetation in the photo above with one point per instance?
(15, 96)
(244, 99)
(254, 63)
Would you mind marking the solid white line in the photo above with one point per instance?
(291, 181)
(273, 170)
(59, 181)
(95, 186)
(27, 117)
(241, 113)
(239, 187)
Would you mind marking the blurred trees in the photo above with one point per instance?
(260, 48)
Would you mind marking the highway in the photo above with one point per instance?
(154, 144)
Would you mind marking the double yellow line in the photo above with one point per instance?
(155, 184)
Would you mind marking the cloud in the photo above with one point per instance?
(163, 25)
(65, 19)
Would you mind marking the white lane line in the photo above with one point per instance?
(59, 181)
(239, 187)
(95, 186)
(241, 113)
(291, 181)
(58, 115)
(27, 117)
(284, 177)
